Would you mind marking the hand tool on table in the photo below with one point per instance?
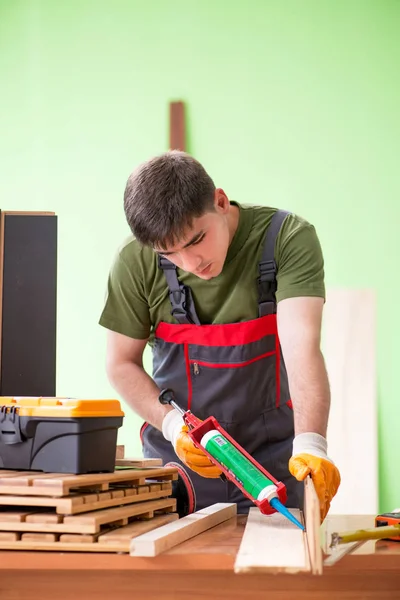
(237, 465)
(387, 527)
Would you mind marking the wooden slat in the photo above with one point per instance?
(120, 452)
(62, 485)
(9, 536)
(273, 544)
(172, 534)
(136, 528)
(177, 132)
(39, 537)
(42, 518)
(14, 516)
(312, 523)
(43, 546)
(139, 462)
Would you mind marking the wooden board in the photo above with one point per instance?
(117, 540)
(120, 452)
(136, 528)
(272, 544)
(349, 347)
(139, 462)
(164, 538)
(50, 484)
(89, 522)
(177, 133)
(80, 503)
(312, 522)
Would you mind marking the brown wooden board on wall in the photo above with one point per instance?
(28, 303)
(177, 132)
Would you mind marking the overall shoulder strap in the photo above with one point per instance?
(267, 267)
(180, 295)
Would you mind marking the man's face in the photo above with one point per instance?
(203, 249)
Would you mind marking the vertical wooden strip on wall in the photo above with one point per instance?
(349, 347)
(177, 132)
(29, 298)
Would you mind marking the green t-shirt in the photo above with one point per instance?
(137, 298)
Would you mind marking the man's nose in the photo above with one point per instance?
(190, 261)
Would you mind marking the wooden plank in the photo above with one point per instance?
(136, 528)
(351, 362)
(62, 485)
(92, 522)
(14, 516)
(42, 518)
(139, 462)
(88, 502)
(39, 537)
(312, 522)
(272, 544)
(120, 452)
(43, 546)
(9, 536)
(177, 133)
(172, 534)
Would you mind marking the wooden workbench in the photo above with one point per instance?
(199, 569)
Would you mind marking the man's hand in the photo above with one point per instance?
(175, 431)
(310, 458)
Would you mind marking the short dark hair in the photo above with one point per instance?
(164, 195)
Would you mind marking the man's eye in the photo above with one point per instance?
(199, 240)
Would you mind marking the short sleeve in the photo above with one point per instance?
(300, 262)
(126, 308)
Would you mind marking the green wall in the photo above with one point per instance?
(291, 103)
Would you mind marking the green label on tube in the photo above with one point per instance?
(247, 474)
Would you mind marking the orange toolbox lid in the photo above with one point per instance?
(61, 407)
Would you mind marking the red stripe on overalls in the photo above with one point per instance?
(230, 334)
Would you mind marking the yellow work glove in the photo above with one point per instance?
(176, 432)
(310, 458)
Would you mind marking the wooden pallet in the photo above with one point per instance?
(60, 484)
(117, 540)
(84, 502)
(43, 523)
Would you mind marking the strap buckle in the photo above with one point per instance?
(267, 270)
(164, 263)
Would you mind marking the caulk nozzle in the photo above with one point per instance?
(277, 504)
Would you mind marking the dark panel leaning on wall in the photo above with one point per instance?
(29, 303)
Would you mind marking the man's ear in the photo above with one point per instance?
(221, 201)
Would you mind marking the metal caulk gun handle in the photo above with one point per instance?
(167, 396)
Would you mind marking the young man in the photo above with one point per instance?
(230, 298)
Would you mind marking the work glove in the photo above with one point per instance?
(310, 458)
(176, 432)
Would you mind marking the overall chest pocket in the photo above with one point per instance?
(233, 383)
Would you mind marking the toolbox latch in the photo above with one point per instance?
(10, 430)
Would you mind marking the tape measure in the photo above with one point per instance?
(387, 519)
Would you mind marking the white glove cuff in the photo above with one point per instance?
(310, 443)
(172, 425)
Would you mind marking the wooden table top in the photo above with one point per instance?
(202, 567)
